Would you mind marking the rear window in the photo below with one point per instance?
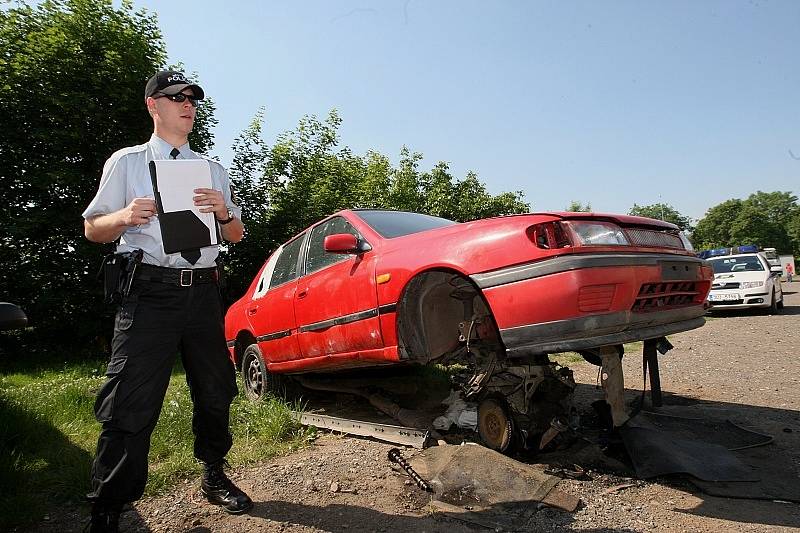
(725, 265)
(391, 224)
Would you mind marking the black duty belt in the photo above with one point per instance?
(182, 277)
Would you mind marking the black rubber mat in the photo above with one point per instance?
(658, 452)
(721, 458)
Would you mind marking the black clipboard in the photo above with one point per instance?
(183, 226)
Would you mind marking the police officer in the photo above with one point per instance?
(173, 306)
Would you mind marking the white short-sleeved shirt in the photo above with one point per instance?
(126, 175)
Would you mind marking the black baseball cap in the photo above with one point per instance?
(171, 82)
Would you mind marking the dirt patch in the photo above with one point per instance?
(743, 366)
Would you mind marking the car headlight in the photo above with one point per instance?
(751, 284)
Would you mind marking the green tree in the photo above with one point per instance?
(714, 229)
(751, 227)
(251, 191)
(662, 212)
(765, 219)
(577, 207)
(306, 176)
(72, 73)
(777, 207)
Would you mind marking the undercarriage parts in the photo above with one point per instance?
(557, 426)
(613, 383)
(523, 401)
(494, 424)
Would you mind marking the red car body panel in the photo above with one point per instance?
(344, 289)
(273, 317)
(542, 299)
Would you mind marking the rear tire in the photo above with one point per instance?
(258, 381)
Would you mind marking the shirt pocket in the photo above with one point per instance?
(142, 188)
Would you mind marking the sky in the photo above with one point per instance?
(688, 103)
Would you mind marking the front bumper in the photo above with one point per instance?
(739, 299)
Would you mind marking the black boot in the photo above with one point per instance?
(220, 490)
(105, 518)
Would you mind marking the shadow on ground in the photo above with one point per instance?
(346, 518)
(48, 494)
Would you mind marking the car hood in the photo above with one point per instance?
(740, 276)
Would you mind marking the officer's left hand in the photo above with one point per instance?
(211, 201)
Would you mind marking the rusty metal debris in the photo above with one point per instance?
(405, 436)
(396, 457)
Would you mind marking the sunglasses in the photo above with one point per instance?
(180, 98)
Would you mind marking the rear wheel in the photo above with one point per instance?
(258, 381)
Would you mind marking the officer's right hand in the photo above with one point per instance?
(138, 211)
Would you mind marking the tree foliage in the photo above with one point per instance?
(768, 219)
(576, 207)
(306, 176)
(72, 75)
(662, 212)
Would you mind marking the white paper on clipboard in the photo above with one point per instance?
(174, 182)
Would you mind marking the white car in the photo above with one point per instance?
(745, 281)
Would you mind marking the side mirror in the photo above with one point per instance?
(345, 243)
(776, 269)
(11, 317)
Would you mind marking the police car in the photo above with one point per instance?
(744, 279)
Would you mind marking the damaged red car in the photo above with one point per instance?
(370, 287)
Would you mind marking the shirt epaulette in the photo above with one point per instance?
(128, 150)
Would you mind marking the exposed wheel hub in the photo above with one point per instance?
(494, 425)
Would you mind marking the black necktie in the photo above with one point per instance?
(190, 255)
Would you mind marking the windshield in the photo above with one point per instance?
(391, 224)
(749, 263)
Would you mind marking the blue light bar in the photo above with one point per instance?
(747, 249)
(718, 252)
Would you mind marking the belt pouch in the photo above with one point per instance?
(113, 271)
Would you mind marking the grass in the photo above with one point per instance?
(48, 435)
(570, 358)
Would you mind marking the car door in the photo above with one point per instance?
(336, 299)
(271, 311)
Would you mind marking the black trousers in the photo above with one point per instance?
(155, 322)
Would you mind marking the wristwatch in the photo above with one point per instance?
(227, 220)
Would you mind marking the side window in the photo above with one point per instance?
(317, 257)
(286, 265)
(266, 274)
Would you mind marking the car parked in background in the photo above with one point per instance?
(12, 317)
(372, 287)
(745, 281)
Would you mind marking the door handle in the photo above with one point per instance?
(252, 310)
(302, 293)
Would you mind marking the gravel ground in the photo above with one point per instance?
(744, 365)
